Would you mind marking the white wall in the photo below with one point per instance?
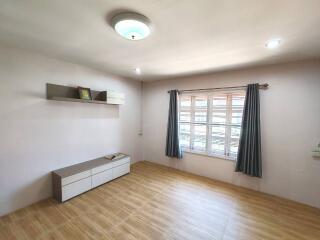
(38, 136)
(290, 116)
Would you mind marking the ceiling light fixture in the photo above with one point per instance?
(273, 43)
(132, 26)
(137, 71)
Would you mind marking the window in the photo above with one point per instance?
(210, 123)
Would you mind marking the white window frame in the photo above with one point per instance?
(209, 123)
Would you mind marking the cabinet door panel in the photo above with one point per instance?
(75, 177)
(101, 178)
(101, 168)
(73, 189)
(120, 162)
(121, 170)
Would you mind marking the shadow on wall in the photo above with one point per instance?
(36, 106)
(83, 110)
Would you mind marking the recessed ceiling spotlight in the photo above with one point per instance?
(137, 71)
(273, 43)
(132, 26)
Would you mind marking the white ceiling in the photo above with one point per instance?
(189, 36)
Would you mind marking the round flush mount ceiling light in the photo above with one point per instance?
(273, 43)
(132, 26)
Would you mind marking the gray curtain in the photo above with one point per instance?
(172, 145)
(249, 152)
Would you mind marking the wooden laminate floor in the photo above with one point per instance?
(156, 202)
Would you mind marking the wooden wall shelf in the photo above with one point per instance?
(71, 94)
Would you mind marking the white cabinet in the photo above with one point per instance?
(101, 168)
(71, 181)
(75, 177)
(101, 178)
(120, 162)
(76, 188)
(120, 170)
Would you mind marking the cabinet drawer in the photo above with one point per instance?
(75, 177)
(121, 170)
(73, 189)
(101, 168)
(120, 162)
(101, 178)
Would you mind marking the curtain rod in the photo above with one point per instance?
(261, 86)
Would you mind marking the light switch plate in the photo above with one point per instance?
(316, 151)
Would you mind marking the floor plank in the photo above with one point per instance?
(157, 202)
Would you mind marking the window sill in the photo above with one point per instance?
(210, 155)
